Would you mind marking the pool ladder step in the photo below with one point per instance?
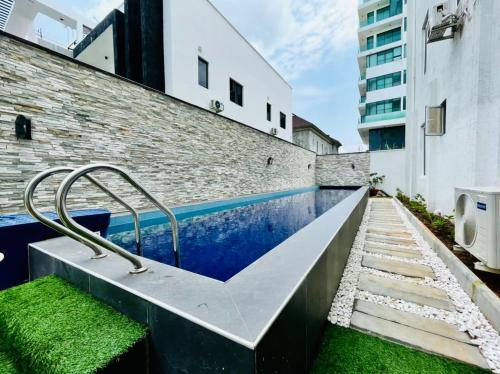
(72, 229)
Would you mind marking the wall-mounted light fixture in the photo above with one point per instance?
(23, 127)
(270, 161)
(353, 166)
(309, 167)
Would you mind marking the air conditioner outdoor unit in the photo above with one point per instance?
(274, 131)
(217, 106)
(477, 223)
(443, 23)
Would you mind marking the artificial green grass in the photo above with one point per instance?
(48, 326)
(348, 351)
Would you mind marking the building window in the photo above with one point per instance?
(369, 42)
(406, 24)
(383, 13)
(370, 18)
(202, 72)
(388, 37)
(268, 112)
(387, 138)
(384, 106)
(282, 120)
(404, 102)
(383, 57)
(404, 76)
(235, 92)
(384, 81)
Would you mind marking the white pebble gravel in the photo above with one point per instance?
(467, 316)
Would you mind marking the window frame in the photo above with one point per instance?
(269, 109)
(236, 84)
(283, 120)
(202, 60)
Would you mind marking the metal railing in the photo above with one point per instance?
(30, 206)
(62, 211)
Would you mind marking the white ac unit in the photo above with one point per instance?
(477, 223)
(217, 106)
(273, 131)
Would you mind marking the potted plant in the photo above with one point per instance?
(373, 182)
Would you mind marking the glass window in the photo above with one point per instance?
(369, 42)
(235, 92)
(383, 57)
(406, 24)
(383, 13)
(404, 76)
(387, 138)
(282, 120)
(390, 36)
(268, 112)
(202, 72)
(384, 106)
(370, 18)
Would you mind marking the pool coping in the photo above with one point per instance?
(242, 309)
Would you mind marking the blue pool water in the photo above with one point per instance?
(232, 236)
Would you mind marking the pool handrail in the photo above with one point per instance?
(29, 192)
(62, 211)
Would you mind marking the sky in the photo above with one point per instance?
(312, 43)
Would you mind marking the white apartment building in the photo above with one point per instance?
(382, 86)
(189, 50)
(19, 17)
(453, 114)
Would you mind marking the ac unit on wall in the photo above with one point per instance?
(477, 223)
(217, 105)
(273, 131)
(439, 11)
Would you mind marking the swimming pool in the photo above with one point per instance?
(220, 239)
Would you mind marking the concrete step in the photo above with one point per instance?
(419, 339)
(412, 320)
(390, 240)
(388, 226)
(408, 291)
(384, 249)
(398, 267)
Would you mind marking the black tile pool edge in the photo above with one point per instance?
(269, 318)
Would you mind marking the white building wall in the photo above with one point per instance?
(464, 72)
(195, 28)
(391, 164)
(309, 139)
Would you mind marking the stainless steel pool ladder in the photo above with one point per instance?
(82, 234)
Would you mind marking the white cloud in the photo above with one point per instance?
(295, 35)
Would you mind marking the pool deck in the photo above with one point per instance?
(399, 295)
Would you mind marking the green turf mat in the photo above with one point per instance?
(51, 327)
(348, 351)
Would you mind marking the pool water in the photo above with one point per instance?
(221, 244)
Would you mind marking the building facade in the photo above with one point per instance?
(309, 136)
(19, 17)
(453, 82)
(189, 50)
(382, 65)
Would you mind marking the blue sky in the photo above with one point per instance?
(312, 43)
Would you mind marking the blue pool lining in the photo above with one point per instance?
(124, 222)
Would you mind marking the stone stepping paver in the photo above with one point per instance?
(388, 232)
(392, 251)
(398, 267)
(418, 338)
(389, 239)
(412, 320)
(405, 290)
